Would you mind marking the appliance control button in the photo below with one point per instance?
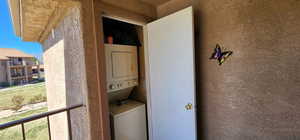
(112, 86)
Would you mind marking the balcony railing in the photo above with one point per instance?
(40, 116)
(15, 63)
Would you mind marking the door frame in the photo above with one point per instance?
(146, 57)
(138, 20)
(147, 80)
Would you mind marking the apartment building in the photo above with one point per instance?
(16, 67)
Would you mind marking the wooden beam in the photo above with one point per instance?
(122, 14)
(136, 6)
(97, 103)
(57, 16)
(34, 17)
(172, 6)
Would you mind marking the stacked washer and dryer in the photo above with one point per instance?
(128, 117)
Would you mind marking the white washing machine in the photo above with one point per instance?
(128, 121)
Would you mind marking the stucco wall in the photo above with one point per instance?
(76, 86)
(65, 75)
(56, 88)
(255, 94)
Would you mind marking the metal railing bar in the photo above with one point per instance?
(23, 132)
(69, 125)
(36, 117)
(49, 130)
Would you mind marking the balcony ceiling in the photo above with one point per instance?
(34, 19)
(35, 15)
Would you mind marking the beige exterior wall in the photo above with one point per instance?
(76, 85)
(65, 76)
(254, 94)
(3, 73)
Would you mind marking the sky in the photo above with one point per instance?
(8, 39)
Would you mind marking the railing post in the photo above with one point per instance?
(69, 124)
(49, 130)
(23, 132)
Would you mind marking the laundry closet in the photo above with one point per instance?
(125, 80)
(150, 77)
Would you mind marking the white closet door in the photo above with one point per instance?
(172, 77)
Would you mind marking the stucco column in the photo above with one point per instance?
(65, 77)
(8, 73)
(26, 70)
(39, 71)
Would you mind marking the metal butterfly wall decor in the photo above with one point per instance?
(219, 55)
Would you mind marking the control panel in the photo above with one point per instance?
(119, 85)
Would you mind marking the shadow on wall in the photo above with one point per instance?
(200, 100)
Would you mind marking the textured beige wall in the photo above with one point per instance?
(3, 74)
(76, 85)
(65, 75)
(255, 94)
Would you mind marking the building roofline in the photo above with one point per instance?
(15, 12)
(13, 53)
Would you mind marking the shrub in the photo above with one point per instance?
(37, 99)
(17, 101)
(4, 84)
(42, 80)
(44, 99)
(32, 101)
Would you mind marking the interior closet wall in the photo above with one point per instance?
(140, 92)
